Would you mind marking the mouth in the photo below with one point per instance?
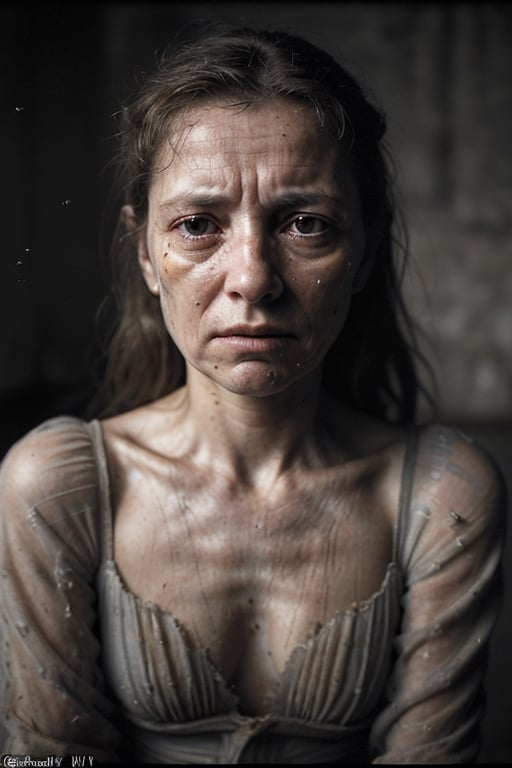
(254, 338)
(254, 331)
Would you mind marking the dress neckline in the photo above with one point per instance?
(305, 646)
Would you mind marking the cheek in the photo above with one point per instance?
(331, 293)
(189, 275)
(184, 294)
(332, 312)
(335, 286)
(170, 270)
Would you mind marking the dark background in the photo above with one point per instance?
(443, 73)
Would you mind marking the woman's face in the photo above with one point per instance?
(254, 243)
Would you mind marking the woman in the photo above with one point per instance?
(257, 556)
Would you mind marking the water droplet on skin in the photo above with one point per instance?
(23, 629)
(318, 282)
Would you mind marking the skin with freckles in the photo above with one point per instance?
(253, 241)
(247, 501)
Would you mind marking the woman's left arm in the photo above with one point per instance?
(451, 557)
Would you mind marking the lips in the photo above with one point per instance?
(256, 338)
(253, 330)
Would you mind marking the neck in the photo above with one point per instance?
(256, 439)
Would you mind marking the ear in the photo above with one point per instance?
(146, 265)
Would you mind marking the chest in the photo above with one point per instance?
(250, 577)
(182, 536)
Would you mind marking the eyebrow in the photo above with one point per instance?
(194, 199)
(297, 199)
(288, 199)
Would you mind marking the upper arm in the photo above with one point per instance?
(452, 564)
(49, 555)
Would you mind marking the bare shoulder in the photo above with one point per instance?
(374, 451)
(144, 434)
(456, 474)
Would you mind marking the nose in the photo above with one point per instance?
(252, 273)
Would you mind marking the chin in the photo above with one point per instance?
(258, 379)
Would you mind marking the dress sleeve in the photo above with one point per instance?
(49, 554)
(451, 553)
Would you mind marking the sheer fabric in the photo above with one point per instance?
(115, 677)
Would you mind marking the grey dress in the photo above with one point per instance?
(92, 669)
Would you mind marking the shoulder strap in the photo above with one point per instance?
(405, 490)
(104, 498)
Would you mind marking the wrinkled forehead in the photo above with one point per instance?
(217, 133)
(264, 148)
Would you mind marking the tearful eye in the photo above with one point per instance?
(197, 226)
(308, 225)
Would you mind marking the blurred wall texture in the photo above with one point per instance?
(443, 74)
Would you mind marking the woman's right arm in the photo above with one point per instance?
(54, 702)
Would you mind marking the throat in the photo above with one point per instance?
(258, 438)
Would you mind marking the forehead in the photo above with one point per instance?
(280, 138)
